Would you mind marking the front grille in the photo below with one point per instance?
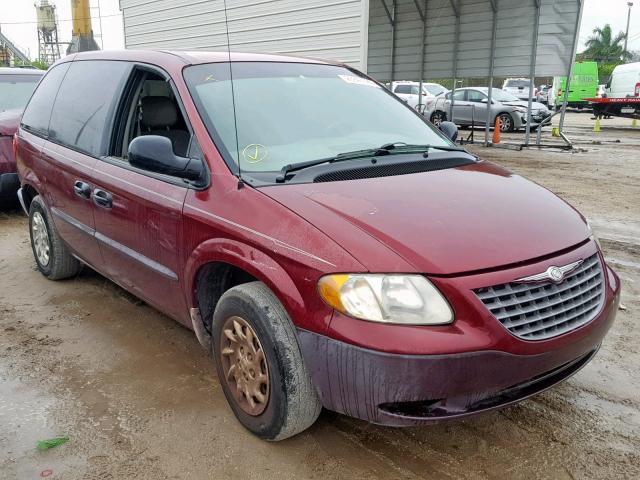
(536, 311)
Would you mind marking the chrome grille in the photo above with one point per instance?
(536, 311)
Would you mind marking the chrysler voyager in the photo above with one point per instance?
(326, 244)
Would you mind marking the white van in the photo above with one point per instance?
(624, 81)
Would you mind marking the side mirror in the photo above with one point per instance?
(484, 100)
(155, 154)
(450, 130)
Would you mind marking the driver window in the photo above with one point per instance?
(476, 96)
(458, 95)
(153, 110)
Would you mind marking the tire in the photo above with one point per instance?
(289, 403)
(506, 122)
(58, 263)
(438, 117)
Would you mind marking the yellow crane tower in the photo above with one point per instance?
(82, 36)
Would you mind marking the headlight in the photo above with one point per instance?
(404, 299)
(520, 109)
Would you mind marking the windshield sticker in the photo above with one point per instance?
(358, 80)
(254, 153)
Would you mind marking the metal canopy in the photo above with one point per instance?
(436, 39)
(458, 38)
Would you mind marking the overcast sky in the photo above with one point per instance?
(18, 21)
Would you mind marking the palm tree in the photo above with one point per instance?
(601, 47)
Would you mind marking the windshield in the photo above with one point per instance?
(295, 112)
(435, 90)
(518, 83)
(502, 96)
(15, 90)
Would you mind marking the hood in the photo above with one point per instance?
(9, 122)
(443, 222)
(523, 103)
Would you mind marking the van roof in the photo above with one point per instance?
(627, 67)
(188, 57)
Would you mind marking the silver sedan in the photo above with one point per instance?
(470, 109)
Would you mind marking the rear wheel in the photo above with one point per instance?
(259, 363)
(506, 122)
(52, 256)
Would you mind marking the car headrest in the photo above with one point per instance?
(158, 112)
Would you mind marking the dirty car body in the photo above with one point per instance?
(421, 282)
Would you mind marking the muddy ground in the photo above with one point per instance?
(139, 399)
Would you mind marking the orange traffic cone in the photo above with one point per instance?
(496, 131)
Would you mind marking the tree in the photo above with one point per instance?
(40, 64)
(603, 47)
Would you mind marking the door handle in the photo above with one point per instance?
(102, 199)
(82, 189)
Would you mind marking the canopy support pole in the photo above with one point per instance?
(565, 97)
(423, 17)
(494, 28)
(455, 4)
(532, 71)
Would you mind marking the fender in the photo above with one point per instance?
(261, 266)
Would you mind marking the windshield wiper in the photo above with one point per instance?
(386, 149)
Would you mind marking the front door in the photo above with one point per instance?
(478, 105)
(138, 214)
(458, 109)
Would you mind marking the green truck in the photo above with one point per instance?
(584, 84)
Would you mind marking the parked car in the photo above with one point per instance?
(354, 259)
(16, 86)
(543, 94)
(408, 92)
(624, 81)
(470, 109)
(584, 84)
(520, 88)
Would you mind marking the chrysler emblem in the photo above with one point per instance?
(553, 273)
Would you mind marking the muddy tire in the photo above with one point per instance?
(51, 254)
(259, 363)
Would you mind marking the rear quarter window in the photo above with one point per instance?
(38, 111)
(85, 103)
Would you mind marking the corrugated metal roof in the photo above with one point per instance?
(514, 38)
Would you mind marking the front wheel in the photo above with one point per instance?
(259, 363)
(506, 122)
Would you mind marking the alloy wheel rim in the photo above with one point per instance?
(505, 123)
(40, 235)
(244, 365)
(437, 119)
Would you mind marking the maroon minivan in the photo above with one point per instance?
(326, 244)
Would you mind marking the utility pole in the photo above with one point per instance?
(626, 35)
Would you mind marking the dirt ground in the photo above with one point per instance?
(139, 399)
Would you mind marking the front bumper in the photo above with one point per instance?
(400, 389)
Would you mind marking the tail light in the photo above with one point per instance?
(559, 92)
(15, 145)
(637, 91)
